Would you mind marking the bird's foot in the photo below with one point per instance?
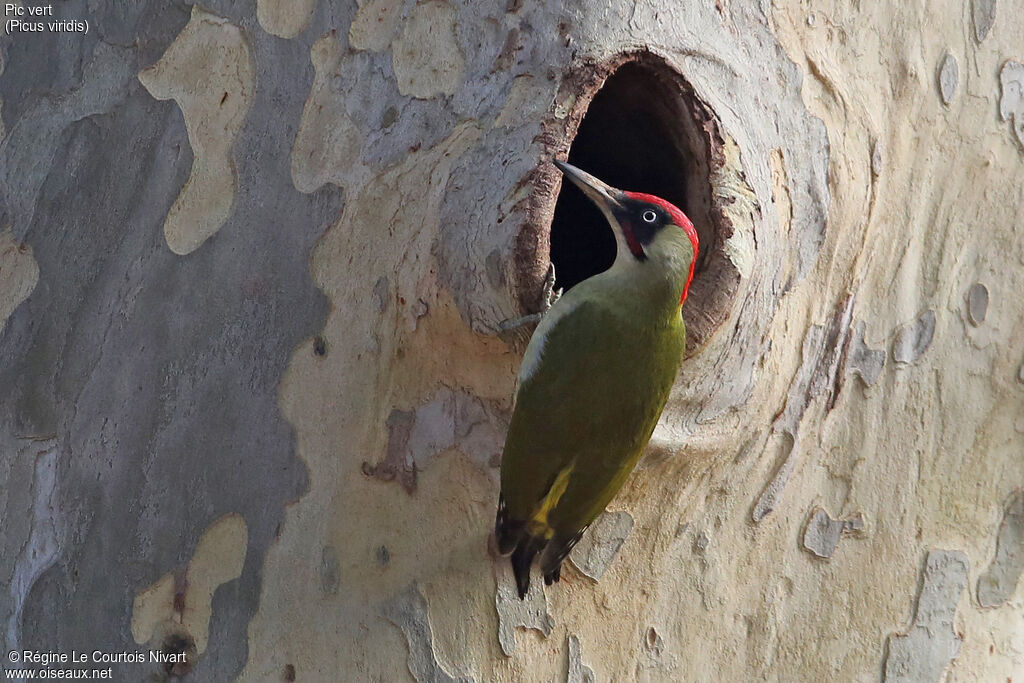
(549, 295)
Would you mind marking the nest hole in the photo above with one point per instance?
(645, 130)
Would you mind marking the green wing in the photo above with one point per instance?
(587, 409)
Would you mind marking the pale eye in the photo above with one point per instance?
(649, 216)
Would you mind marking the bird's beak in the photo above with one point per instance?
(601, 193)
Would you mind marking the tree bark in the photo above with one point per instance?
(254, 264)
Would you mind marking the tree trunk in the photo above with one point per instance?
(254, 262)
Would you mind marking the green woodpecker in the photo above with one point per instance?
(594, 380)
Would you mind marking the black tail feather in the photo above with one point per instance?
(553, 575)
(561, 545)
(522, 560)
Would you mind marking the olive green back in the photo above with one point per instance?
(595, 393)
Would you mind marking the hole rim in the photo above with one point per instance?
(716, 279)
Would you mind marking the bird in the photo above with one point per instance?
(594, 379)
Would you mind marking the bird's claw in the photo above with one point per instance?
(549, 296)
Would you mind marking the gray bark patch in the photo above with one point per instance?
(931, 643)
(1011, 100)
(45, 527)
(449, 419)
(397, 463)
(37, 134)
(822, 354)
(381, 293)
(865, 362)
(578, 672)
(913, 339)
(977, 303)
(769, 497)
(596, 550)
(822, 533)
(997, 584)
(408, 611)
(531, 612)
(949, 78)
(329, 570)
(983, 12)
(877, 157)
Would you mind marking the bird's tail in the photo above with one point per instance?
(525, 538)
(512, 537)
(561, 545)
(522, 560)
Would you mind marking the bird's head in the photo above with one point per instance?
(649, 230)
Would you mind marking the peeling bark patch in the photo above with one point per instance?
(426, 56)
(284, 18)
(653, 642)
(977, 304)
(19, 273)
(375, 24)
(328, 142)
(45, 538)
(180, 603)
(949, 78)
(1011, 101)
(408, 611)
(599, 545)
(215, 49)
(773, 491)
(997, 584)
(822, 355)
(417, 311)
(450, 419)
(329, 570)
(578, 672)
(913, 339)
(983, 12)
(877, 158)
(380, 293)
(822, 533)
(865, 362)
(397, 461)
(931, 643)
(531, 612)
